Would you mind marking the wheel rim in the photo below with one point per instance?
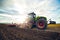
(40, 24)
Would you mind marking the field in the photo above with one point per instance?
(13, 33)
(52, 28)
(53, 25)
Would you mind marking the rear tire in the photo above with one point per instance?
(41, 24)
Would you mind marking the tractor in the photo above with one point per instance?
(39, 22)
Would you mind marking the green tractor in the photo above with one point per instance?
(38, 22)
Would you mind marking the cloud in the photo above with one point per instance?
(5, 18)
(8, 11)
(48, 8)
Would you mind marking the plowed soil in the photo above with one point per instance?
(13, 33)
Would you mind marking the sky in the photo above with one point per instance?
(15, 10)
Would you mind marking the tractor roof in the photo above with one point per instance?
(32, 13)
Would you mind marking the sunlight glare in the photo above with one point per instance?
(21, 19)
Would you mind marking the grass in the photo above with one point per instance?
(53, 25)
